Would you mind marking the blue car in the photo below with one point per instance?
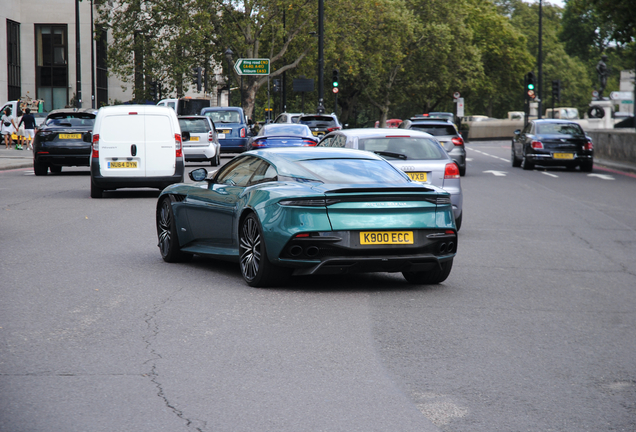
(231, 126)
(283, 135)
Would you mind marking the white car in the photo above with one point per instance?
(288, 117)
(201, 144)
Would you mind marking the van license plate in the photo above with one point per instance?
(391, 237)
(417, 176)
(122, 164)
(70, 136)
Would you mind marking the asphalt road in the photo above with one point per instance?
(532, 331)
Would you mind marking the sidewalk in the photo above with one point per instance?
(13, 159)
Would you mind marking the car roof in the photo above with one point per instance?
(207, 109)
(194, 117)
(553, 121)
(431, 121)
(383, 132)
(275, 154)
(71, 111)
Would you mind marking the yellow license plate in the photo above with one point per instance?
(225, 131)
(316, 133)
(194, 138)
(122, 164)
(386, 237)
(563, 155)
(70, 136)
(417, 176)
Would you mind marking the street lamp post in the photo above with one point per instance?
(228, 55)
(540, 86)
(78, 61)
(321, 58)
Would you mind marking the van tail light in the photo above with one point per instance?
(177, 145)
(588, 146)
(331, 129)
(537, 145)
(458, 141)
(242, 132)
(451, 171)
(95, 146)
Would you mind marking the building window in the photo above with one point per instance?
(13, 60)
(51, 54)
(102, 69)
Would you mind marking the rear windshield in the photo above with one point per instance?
(194, 125)
(398, 147)
(229, 116)
(559, 129)
(318, 121)
(435, 130)
(285, 130)
(71, 120)
(353, 171)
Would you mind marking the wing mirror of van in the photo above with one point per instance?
(185, 136)
(198, 174)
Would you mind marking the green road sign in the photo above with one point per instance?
(252, 66)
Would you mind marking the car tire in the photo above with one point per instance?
(96, 192)
(587, 166)
(39, 168)
(168, 240)
(462, 171)
(256, 268)
(458, 221)
(217, 160)
(55, 169)
(526, 164)
(516, 162)
(431, 277)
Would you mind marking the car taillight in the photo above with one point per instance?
(537, 145)
(95, 145)
(451, 171)
(458, 141)
(589, 146)
(177, 145)
(242, 132)
(308, 142)
(211, 136)
(258, 143)
(331, 129)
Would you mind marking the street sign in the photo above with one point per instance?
(252, 66)
(456, 95)
(621, 95)
(460, 107)
(335, 89)
(594, 94)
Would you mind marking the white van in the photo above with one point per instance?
(135, 146)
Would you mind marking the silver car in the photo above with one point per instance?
(416, 153)
(203, 144)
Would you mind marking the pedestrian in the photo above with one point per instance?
(8, 127)
(28, 121)
(20, 134)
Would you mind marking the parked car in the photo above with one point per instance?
(201, 144)
(302, 211)
(416, 153)
(232, 128)
(550, 142)
(282, 135)
(446, 133)
(320, 124)
(288, 118)
(442, 115)
(64, 139)
(135, 146)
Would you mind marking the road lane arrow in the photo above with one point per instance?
(497, 173)
(601, 176)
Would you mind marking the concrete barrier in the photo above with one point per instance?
(493, 129)
(618, 145)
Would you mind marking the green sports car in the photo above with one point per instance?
(305, 211)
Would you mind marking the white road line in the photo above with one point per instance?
(497, 173)
(601, 176)
(549, 174)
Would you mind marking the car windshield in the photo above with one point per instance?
(194, 125)
(435, 130)
(403, 147)
(353, 171)
(285, 130)
(224, 116)
(318, 121)
(71, 120)
(559, 129)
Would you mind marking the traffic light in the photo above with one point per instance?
(334, 77)
(196, 77)
(276, 85)
(153, 90)
(530, 85)
(556, 89)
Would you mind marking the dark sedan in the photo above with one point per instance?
(283, 135)
(64, 139)
(550, 142)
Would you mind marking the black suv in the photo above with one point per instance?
(320, 124)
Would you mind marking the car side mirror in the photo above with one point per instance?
(518, 131)
(198, 174)
(185, 136)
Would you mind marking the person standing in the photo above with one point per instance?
(8, 127)
(28, 120)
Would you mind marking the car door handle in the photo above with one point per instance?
(133, 150)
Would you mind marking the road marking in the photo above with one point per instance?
(601, 176)
(497, 173)
(469, 159)
(549, 174)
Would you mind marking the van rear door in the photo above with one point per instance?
(121, 135)
(160, 151)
